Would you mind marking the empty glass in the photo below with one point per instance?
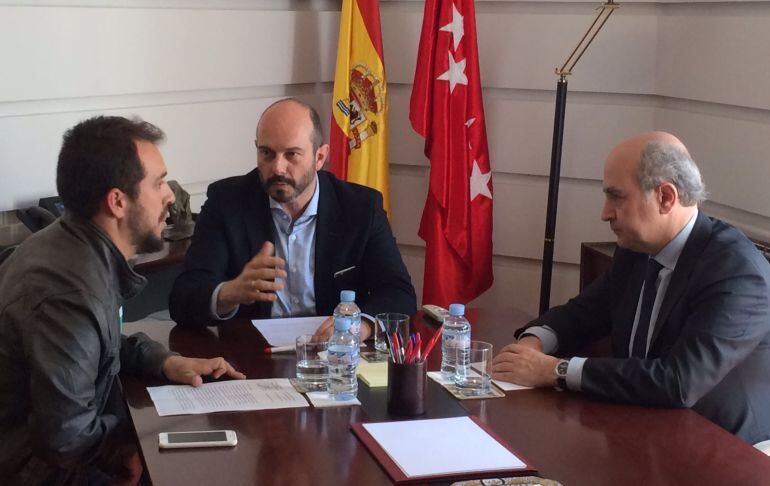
(476, 378)
(390, 322)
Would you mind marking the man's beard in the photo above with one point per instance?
(143, 239)
(285, 196)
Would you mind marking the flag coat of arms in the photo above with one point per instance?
(446, 108)
(359, 135)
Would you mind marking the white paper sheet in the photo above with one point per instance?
(503, 385)
(226, 396)
(464, 447)
(508, 386)
(321, 399)
(284, 332)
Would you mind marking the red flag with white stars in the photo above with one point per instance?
(446, 108)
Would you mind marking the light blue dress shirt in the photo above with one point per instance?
(295, 243)
(668, 258)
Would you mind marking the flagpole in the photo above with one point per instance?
(605, 10)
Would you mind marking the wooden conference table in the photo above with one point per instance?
(567, 437)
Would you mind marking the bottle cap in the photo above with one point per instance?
(348, 296)
(342, 323)
(456, 309)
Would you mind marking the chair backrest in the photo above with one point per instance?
(5, 253)
(35, 218)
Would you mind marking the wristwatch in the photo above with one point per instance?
(561, 374)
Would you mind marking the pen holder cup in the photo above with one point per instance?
(406, 388)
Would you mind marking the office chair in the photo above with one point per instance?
(35, 217)
(6, 252)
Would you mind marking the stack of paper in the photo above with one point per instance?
(225, 396)
(373, 374)
(284, 332)
(465, 448)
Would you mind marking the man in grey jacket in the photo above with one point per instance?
(61, 292)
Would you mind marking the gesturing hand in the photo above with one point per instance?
(190, 370)
(255, 283)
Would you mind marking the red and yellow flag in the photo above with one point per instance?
(359, 135)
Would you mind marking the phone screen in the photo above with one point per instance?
(180, 437)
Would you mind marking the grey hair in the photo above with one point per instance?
(666, 162)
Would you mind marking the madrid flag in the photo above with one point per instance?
(359, 135)
(446, 108)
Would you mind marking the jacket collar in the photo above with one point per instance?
(127, 282)
(696, 243)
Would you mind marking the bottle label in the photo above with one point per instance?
(343, 357)
(457, 340)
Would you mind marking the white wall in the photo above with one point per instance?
(204, 69)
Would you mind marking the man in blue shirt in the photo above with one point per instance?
(286, 238)
(686, 303)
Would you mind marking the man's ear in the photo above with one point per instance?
(667, 197)
(321, 155)
(116, 203)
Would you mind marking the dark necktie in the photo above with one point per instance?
(648, 299)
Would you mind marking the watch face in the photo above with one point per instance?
(561, 368)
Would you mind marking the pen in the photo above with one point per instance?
(432, 342)
(396, 347)
(278, 349)
(408, 352)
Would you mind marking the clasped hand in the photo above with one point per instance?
(525, 364)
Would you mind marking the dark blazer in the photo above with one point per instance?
(351, 230)
(710, 349)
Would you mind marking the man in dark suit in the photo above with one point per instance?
(286, 238)
(686, 303)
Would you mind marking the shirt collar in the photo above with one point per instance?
(669, 255)
(312, 206)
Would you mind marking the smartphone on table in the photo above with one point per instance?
(200, 438)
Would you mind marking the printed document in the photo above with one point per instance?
(463, 447)
(225, 396)
(284, 332)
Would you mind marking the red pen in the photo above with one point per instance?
(432, 343)
(396, 347)
(408, 352)
(278, 349)
(418, 346)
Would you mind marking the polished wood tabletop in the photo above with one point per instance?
(566, 436)
(172, 253)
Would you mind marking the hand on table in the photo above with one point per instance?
(255, 283)
(326, 329)
(189, 370)
(522, 364)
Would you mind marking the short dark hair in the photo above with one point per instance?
(317, 137)
(97, 155)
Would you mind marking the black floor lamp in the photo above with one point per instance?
(605, 10)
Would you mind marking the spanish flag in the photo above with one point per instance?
(359, 135)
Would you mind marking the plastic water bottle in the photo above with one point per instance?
(455, 343)
(343, 360)
(348, 308)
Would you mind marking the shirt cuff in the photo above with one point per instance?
(547, 336)
(213, 305)
(371, 321)
(575, 373)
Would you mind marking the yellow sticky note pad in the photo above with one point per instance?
(373, 374)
